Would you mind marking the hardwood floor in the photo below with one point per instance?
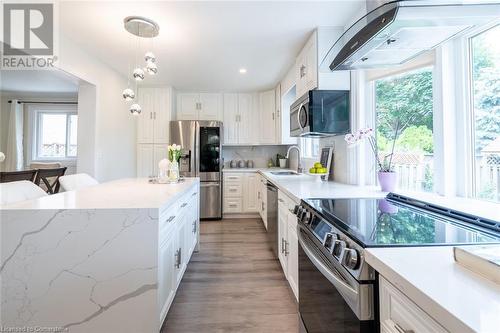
(233, 284)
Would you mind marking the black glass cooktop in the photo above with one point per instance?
(383, 222)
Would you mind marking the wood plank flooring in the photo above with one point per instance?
(233, 284)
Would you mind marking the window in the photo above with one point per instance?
(309, 147)
(485, 85)
(404, 102)
(55, 132)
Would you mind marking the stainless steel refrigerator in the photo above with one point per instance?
(201, 143)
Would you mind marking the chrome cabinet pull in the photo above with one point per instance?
(282, 245)
(195, 193)
(171, 218)
(402, 330)
(281, 200)
(184, 205)
(177, 255)
(286, 248)
(194, 227)
(273, 115)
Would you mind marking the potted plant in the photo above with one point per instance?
(281, 160)
(386, 175)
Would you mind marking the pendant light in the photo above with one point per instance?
(140, 27)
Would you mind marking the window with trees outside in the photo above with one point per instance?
(485, 61)
(55, 134)
(404, 102)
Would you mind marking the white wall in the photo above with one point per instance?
(107, 133)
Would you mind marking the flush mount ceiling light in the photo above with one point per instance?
(243, 70)
(140, 27)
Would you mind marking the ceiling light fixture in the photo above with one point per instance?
(141, 27)
(243, 70)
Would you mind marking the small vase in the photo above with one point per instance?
(283, 163)
(387, 180)
(173, 171)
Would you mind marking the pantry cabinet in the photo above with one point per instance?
(288, 241)
(199, 106)
(153, 128)
(267, 118)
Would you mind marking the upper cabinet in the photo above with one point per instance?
(153, 122)
(267, 117)
(307, 64)
(240, 126)
(199, 106)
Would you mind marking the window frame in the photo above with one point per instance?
(467, 58)
(36, 111)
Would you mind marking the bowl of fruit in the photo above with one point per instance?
(318, 170)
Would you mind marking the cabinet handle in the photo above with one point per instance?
(177, 256)
(232, 205)
(278, 113)
(302, 71)
(150, 115)
(195, 193)
(184, 205)
(286, 248)
(262, 204)
(281, 200)
(273, 115)
(171, 218)
(232, 190)
(258, 195)
(194, 227)
(402, 330)
(282, 245)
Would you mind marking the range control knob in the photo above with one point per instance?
(338, 247)
(329, 239)
(350, 258)
(296, 209)
(306, 217)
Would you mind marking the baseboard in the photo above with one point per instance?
(241, 216)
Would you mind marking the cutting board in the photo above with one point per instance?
(481, 259)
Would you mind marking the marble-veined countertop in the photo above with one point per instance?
(122, 193)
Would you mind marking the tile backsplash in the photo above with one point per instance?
(260, 155)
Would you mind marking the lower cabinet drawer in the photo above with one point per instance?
(399, 314)
(232, 190)
(233, 205)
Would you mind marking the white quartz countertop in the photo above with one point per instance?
(459, 299)
(252, 169)
(304, 186)
(123, 193)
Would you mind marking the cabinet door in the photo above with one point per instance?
(267, 116)
(250, 193)
(160, 152)
(300, 74)
(181, 251)
(145, 160)
(189, 231)
(210, 107)
(161, 116)
(292, 254)
(145, 124)
(311, 63)
(188, 105)
(246, 116)
(230, 118)
(166, 275)
(282, 238)
(263, 209)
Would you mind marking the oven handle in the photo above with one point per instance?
(341, 286)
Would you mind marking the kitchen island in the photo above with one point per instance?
(107, 258)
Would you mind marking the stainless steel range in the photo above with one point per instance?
(337, 287)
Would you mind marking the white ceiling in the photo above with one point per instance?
(46, 81)
(202, 45)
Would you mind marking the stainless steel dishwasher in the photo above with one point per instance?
(272, 217)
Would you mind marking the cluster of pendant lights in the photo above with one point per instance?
(144, 28)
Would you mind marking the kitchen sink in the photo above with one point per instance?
(285, 173)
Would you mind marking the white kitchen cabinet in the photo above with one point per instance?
(153, 121)
(178, 238)
(231, 123)
(240, 192)
(250, 193)
(240, 120)
(399, 314)
(283, 100)
(288, 253)
(199, 106)
(263, 199)
(308, 75)
(148, 156)
(267, 117)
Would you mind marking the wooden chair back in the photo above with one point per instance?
(50, 178)
(14, 176)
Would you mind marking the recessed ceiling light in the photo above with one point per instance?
(243, 70)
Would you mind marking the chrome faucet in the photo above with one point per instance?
(299, 167)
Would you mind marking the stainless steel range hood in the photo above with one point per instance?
(394, 32)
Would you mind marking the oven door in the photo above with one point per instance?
(299, 119)
(330, 299)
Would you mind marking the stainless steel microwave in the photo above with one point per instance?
(320, 113)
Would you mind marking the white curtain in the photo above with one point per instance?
(14, 151)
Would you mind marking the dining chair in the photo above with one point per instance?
(76, 181)
(50, 179)
(19, 191)
(13, 176)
